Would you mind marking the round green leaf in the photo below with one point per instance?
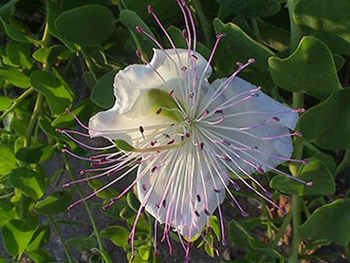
(300, 72)
(316, 172)
(130, 19)
(329, 222)
(102, 93)
(29, 182)
(327, 20)
(88, 25)
(118, 235)
(7, 160)
(54, 204)
(57, 94)
(237, 46)
(328, 123)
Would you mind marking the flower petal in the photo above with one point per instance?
(168, 64)
(188, 186)
(259, 131)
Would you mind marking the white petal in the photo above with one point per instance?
(181, 177)
(129, 82)
(262, 103)
(112, 125)
(246, 114)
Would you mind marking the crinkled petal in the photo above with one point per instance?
(182, 179)
(168, 63)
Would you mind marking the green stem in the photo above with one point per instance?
(33, 119)
(16, 102)
(89, 66)
(206, 27)
(87, 207)
(298, 102)
(282, 230)
(347, 251)
(295, 33)
(58, 233)
(344, 163)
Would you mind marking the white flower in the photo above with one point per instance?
(188, 138)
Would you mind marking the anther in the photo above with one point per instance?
(138, 53)
(220, 35)
(164, 203)
(206, 212)
(188, 134)
(201, 145)
(142, 129)
(159, 111)
(275, 119)
(260, 170)
(154, 169)
(139, 29)
(184, 68)
(171, 141)
(216, 190)
(198, 198)
(197, 214)
(144, 187)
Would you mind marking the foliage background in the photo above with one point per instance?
(58, 54)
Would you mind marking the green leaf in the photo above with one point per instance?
(316, 172)
(326, 20)
(17, 234)
(130, 19)
(144, 252)
(5, 102)
(53, 10)
(19, 54)
(39, 239)
(117, 234)
(329, 222)
(108, 193)
(238, 235)
(31, 183)
(8, 9)
(41, 256)
(35, 154)
(327, 124)
(15, 77)
(7, 160)
(168, 11)
(49, 55)
(249, 8)
(88, 25)
(57, 94)
(300, 72)
(83, 111)
(180, 42)
(82, 243)
(102, 93)
(54, 203)
(237, 46)
(7, 212)
(17, 35)
(215, 225)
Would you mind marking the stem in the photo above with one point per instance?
(58, 233)
(33, 119)
(347, 251)
(16, 102)
(87, 207)
(282, 230)
(206, 27)
(295, 32)
(344, 163)
(298, 102)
